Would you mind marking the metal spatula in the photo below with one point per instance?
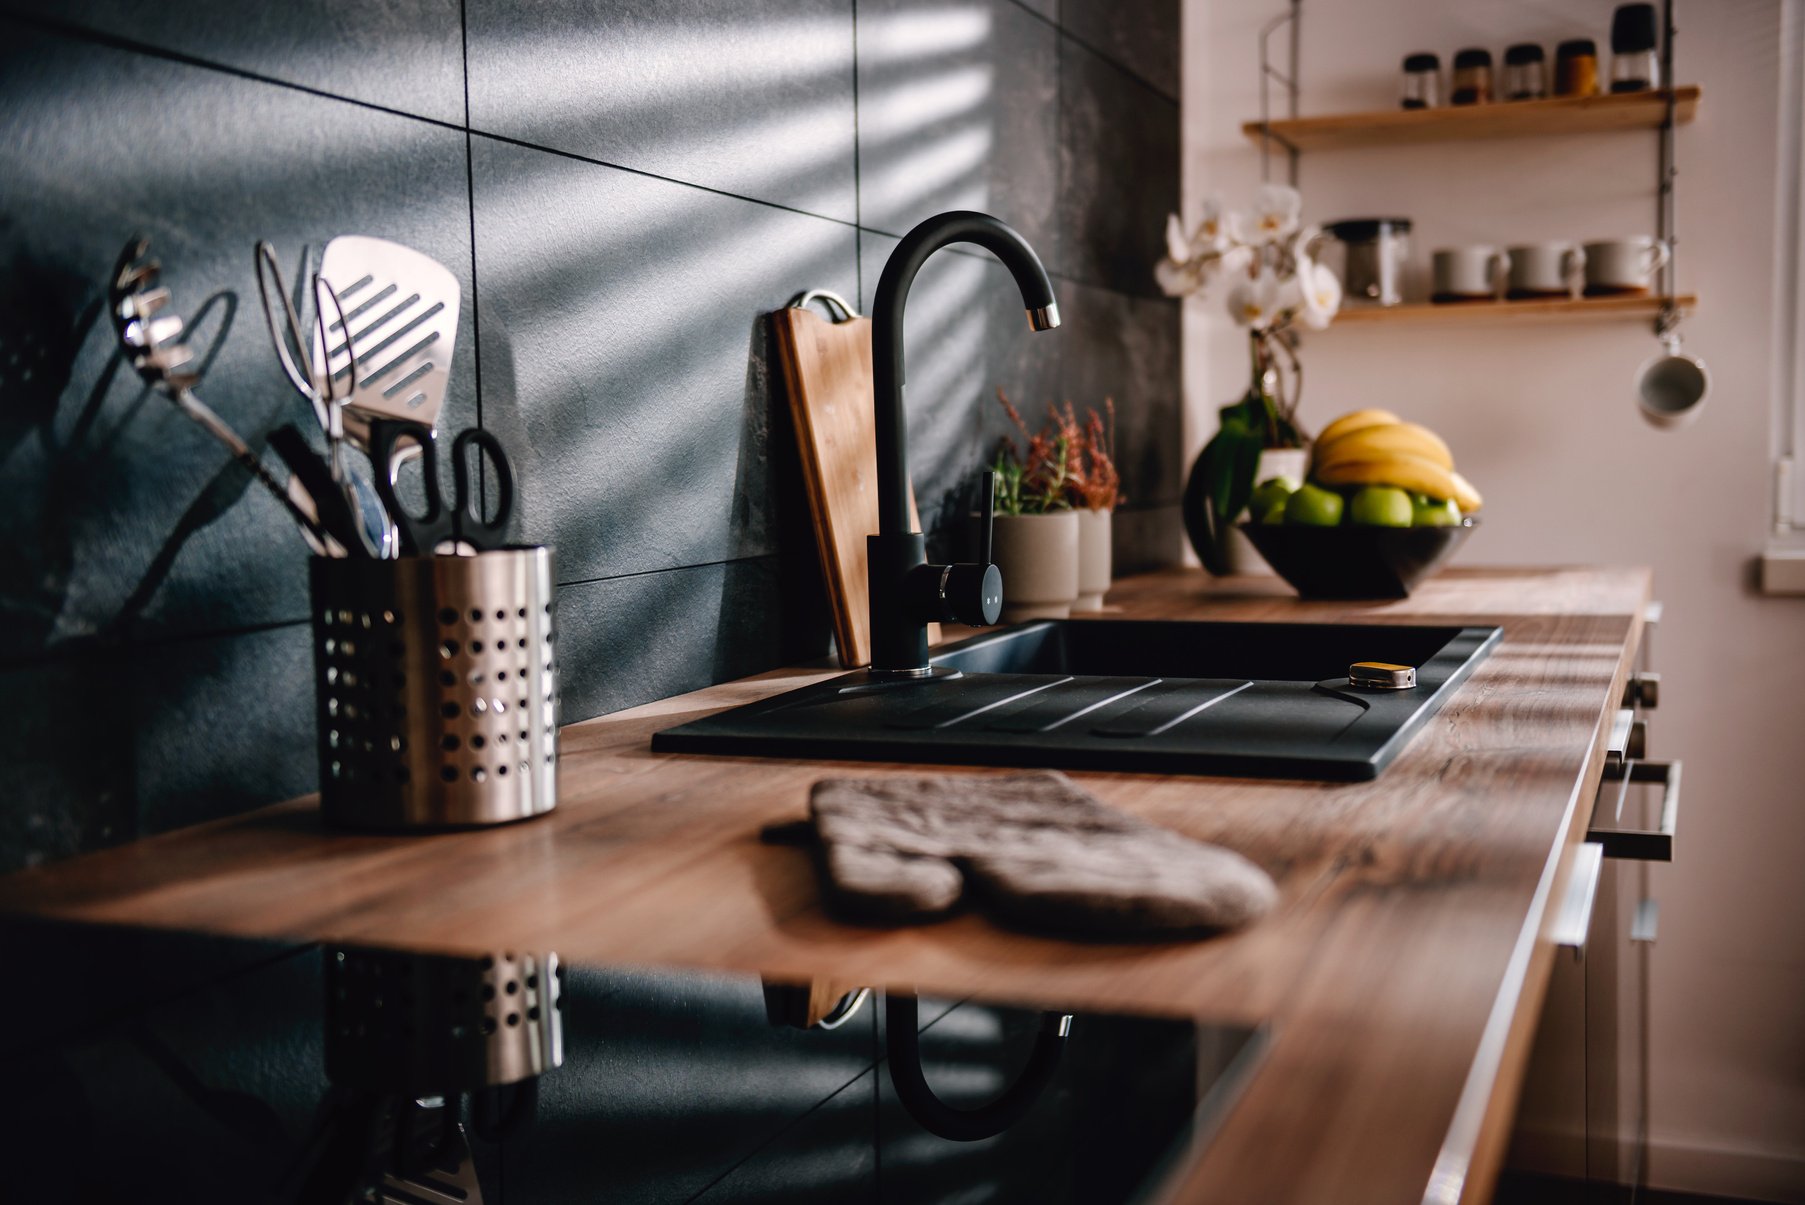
(402, 308)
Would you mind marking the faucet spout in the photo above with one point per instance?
(904, 598)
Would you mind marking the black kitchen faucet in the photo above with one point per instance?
(907, 593)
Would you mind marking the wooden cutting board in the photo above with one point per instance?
(827, 374)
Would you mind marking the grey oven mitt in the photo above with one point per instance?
(1038, 851)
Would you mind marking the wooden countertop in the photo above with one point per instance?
(1402, 971)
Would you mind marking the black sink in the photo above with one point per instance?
(1265, 699)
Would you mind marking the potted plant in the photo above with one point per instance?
(1053, 504)
(1278, 287)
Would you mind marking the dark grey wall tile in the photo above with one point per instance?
(119, 743)
(753, 100)
(669, 1082)
(825, 1158)
(1118, 172)
(126, 516)
(965, 334)
(629, 640)
(1128, 348)
(1045, 8)
(958, 109)
(625, 354)
(1143, 36)
(401, 54)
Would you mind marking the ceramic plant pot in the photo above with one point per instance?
(1274, 462)
(1038, 555)
(1094, 550)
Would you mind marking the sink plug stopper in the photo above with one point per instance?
(1381, 675)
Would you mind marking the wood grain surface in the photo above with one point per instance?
(827, 377)
(1508, 119)
(1477, 313)
(1399, 971)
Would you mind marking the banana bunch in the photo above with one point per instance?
(1376, 447)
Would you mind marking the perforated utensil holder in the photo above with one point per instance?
(437, 689)
(419, 1023)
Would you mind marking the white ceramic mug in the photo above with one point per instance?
(1469, 273)
(1624, 265)
(1671, 388)
(1546, 269)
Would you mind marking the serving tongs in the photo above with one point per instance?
(149, 334)
(345, 491)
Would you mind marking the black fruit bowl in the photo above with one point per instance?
(1352, 561)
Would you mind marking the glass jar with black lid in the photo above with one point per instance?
(1472, 77)
(1525, 72)
(1576, 68)
(1422, 81)
(1635, 38)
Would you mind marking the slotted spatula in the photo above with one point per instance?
(402, 307)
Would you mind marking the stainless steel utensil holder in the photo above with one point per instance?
(437, 689)
(417, 1024)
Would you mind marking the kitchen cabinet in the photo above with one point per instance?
(1582, 1120)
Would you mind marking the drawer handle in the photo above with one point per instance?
(1648, 845)
(1574, 920)
(1616, 746)
(1643, 690)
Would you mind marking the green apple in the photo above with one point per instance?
(1269, 491)
(1381, 506)
(1314, 506)
(1275, 513)
(1433, 512)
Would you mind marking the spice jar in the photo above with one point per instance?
(1634, 65)
(1525, 72)
(1576, 68)
(1422, 81)
(1472, 78)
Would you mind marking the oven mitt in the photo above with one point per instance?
(1036, 850)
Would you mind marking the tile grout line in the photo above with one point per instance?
(1058, 24)
(858, 183)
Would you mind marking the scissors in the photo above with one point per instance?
(462, 523)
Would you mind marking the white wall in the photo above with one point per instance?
(1542, 420)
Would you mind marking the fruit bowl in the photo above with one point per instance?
(1353, 561)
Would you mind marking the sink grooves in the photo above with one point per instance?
(1157, 714)
(1071, 703)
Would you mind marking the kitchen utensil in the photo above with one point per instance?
(827, 375)
(150, 347)
(1624, 266)
(310, 481)
(1376, 249)
(402, 329)
(437, 690)
(1672, 387)
(1353, 561)
(327, 395)
(1546, 269)
(1422, 81)
(462, 523)
(1469, 273)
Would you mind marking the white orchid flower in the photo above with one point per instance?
(1321, 290)
(1254, 301)
(1179, 278)
(1216, 230)
(1276, 209)
(1178, 247)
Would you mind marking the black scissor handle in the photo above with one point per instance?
(422, 534)
(468, 522)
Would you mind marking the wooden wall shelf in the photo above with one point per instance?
(1508, 119)
(1476, 313)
